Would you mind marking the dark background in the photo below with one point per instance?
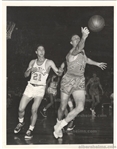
(53, 27)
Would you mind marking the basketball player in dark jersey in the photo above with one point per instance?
(39, 69)
(73, 82)
(94, 86)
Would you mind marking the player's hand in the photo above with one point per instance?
(33, 69)
(60, 71)
(102, 65)
(85, 31)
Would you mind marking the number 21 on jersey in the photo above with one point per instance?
(37, 76)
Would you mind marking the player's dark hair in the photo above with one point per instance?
(38, 45)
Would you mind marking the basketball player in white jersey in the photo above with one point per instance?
(73, 82)
(39, 69)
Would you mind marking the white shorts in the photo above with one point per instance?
(34, 91)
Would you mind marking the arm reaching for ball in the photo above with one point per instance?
(79, 47)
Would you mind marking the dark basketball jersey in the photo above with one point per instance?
(77, 67)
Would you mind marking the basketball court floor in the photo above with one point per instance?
(88, 129)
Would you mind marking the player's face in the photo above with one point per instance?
(75, 40)
(40, 51)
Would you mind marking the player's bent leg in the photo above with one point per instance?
(66, 112)
(35, 106)
(63, 105)
(97, 97)
(93, 105)
(51, 102)
(44, 111)
(61, 112)
(79, 98)
(71, 123)
(70, 104)
(23, 103)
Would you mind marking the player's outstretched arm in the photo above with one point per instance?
(101, 65)
(61, 68)
(85, 33)
(55, 69)
(81, 44)
(30, 69)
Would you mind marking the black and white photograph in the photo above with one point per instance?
(59, 74)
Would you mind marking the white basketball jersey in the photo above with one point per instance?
(40, 76)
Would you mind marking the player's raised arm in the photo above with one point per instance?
(80, 45)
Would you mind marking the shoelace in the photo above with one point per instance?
(19, 125)
(28, 132)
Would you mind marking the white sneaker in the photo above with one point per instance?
(55, 126)
(57, 134)
(70, 128)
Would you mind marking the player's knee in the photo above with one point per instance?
(21, 109)
(70, 104)
(34, 110)
(79, 109)
(62, 107)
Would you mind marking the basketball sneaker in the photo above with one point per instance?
(70, 126)
(58, 134)
(18, 127)
(28, 134)
(56, 126)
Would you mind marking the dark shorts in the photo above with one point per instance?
(70, 83)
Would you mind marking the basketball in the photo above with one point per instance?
(96, 23)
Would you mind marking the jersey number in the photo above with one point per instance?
(37, 76)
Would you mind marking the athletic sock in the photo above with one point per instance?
(31, 127)
(58, 121)
(62, 124)
(21, 120)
